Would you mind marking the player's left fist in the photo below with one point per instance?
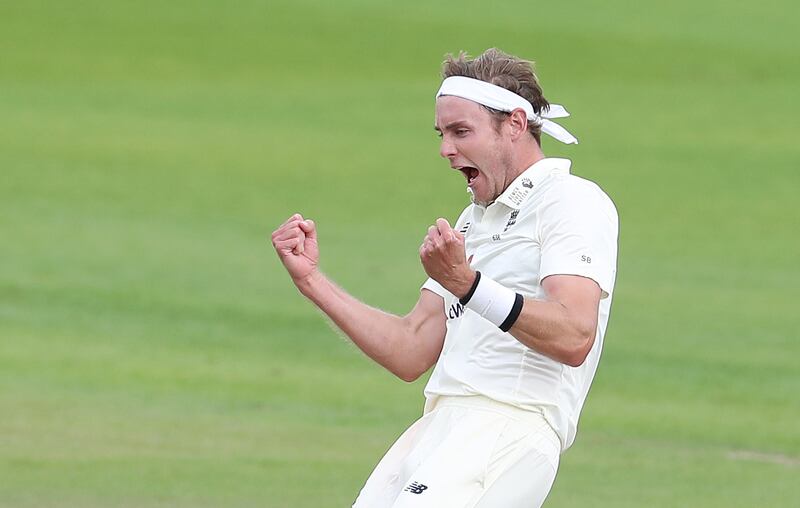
(444, 258)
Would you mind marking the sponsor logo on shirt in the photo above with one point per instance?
(456, 310)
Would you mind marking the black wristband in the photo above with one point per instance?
(516, 309)
(465, 299)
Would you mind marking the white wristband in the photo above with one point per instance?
(495, 302)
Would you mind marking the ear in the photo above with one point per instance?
(518, 123)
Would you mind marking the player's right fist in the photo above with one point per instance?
(295, 242)
(443, 255)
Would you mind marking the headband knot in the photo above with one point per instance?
(502, 99)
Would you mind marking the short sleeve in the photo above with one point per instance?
(432, 285)
(579, 228)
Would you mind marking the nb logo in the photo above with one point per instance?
(416, 488)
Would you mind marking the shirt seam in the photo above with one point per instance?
(520, 373)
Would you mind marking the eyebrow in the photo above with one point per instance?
(451, 125)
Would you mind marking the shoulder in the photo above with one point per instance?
(571, 193)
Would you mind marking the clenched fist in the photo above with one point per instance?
(444, 258)
(295, 241)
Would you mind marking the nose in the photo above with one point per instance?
(447, 149)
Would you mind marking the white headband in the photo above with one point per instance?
(501, 99)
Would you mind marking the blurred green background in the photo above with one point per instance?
(154, 354)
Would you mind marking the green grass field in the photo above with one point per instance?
(153, 353)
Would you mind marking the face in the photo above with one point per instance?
(473, 146)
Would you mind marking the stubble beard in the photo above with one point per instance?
(504, 168)
(479, 202)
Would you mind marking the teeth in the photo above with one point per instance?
(470, 173)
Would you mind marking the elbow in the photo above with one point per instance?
(401, 370)
(577, 355)
(409, 372)
(575, 359)
(408, 375)
(408, 378)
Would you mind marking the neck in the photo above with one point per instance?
(521, 159)
(528, 158)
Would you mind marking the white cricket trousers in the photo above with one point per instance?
(467, 452)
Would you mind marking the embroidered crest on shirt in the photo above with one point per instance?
(512, 219)
(526, 182)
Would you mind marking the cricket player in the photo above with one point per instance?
(514, 311)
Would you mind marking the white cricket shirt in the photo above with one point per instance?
(547, 222)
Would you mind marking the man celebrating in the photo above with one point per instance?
(513, 313)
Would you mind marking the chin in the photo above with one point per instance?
(480, 202)
(477, 200)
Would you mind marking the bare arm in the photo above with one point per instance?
(407, 346)
(561, 327)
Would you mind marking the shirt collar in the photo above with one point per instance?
(522, 187)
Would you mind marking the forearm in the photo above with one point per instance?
(562, 326)
(386, 338)
(549, 328)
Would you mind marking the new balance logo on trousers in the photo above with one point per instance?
(416, 488)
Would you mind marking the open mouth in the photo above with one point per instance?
(469, 173)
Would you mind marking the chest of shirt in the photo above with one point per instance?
(504, 245)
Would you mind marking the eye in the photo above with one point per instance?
(462, 132)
